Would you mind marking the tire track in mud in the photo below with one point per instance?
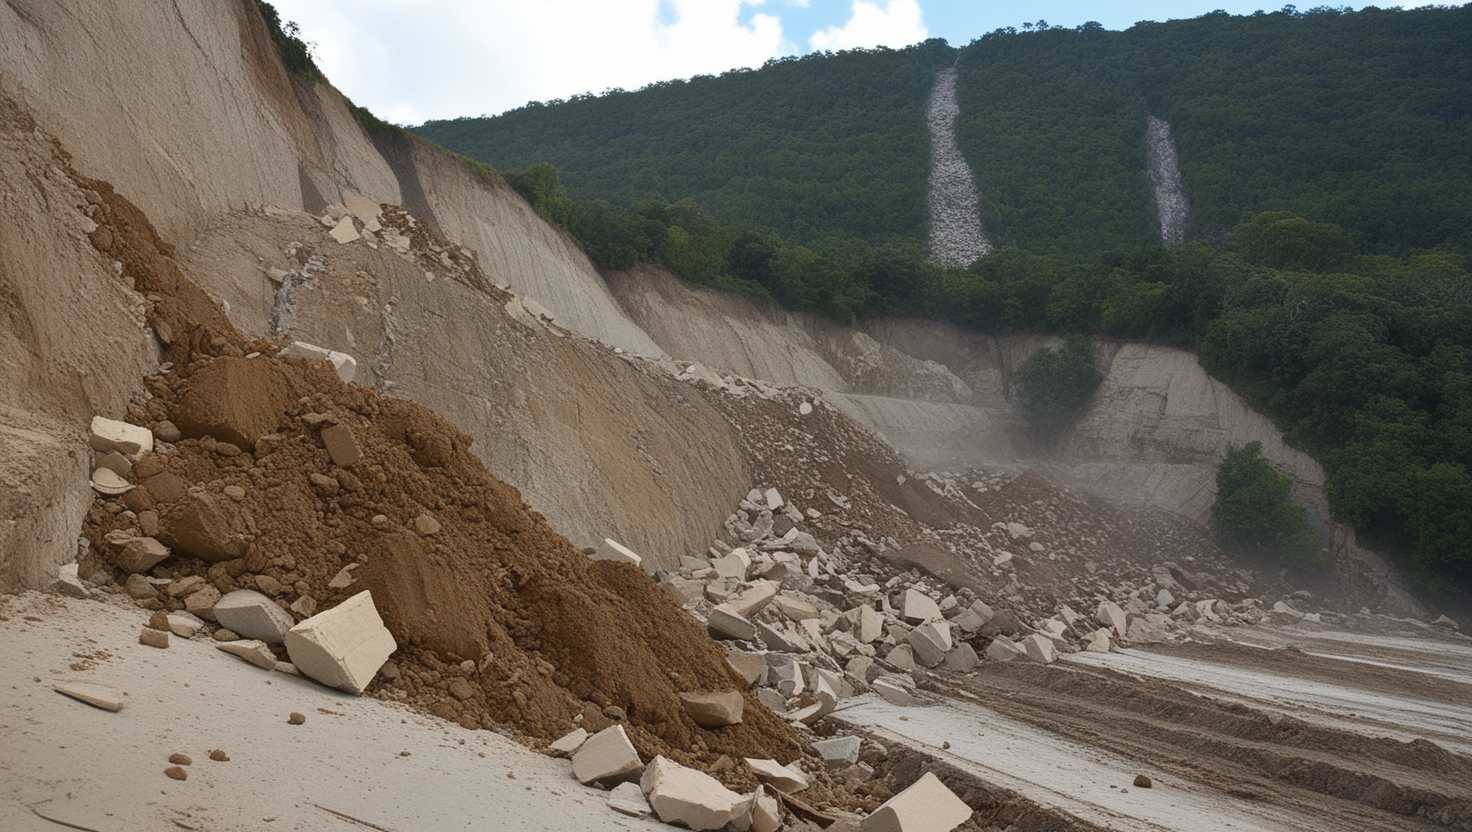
(1349, 780)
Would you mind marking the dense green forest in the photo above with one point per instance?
(1327, 155)
(824, 144)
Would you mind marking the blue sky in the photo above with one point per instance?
(412, 60)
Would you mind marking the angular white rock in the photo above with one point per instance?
(1111, 616)
(129, 440)
(628, 799)
(253, 615)
(344, 231)
(683, 795)
(927, 806)
(67, 582)
(918, 606)
(254, 651)
(783, 778)
(342, 647)
(345, 365)
(931, 642)
(607, 757)
(895, 689)
(569, 743)
(839, 752)
(1040, 648)
(1002, 649)
(774, 499)
(102, 696)
(724, 622)
(611, 549)
(753, 599)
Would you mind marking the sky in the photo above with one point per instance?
(409, 61)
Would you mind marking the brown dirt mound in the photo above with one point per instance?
(501, 621)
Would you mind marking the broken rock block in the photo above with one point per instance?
(255, 652)
(962, 659)
(795, 609)
(827, 701)
(733, 565)
(611, 549)
(67, 583)
(683, 590)
(201, 602)
(725, 623)
(345, 365)
(713, 710)
(927, 806)
(101, 696)
(775, 702)
(838, 752)
(685, 796)
(931, 642)
(785, 674)
(1111, 616)
(140, 554)
(344, 231)
(1003, 649)
(628, 799)
(895, 689)
(869, 627)
(361, 207)
(341, 445)
(184, 625)
(763, 812)
(1040, 649)
(569, 743)
(783, 778)
(917, 606)
(253, 615)
(1099, 641)
(342, 647)
(111, 435)
(754, 598)
(607, 757)
(750, 666)
(107, 481)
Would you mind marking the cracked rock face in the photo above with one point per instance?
(956, 236)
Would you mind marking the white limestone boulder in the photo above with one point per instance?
(345, 365)
(342, 647)
(607, 757)
(685, 796)
(927, 806)
(253, 615)
(129, 440)
(611, 549)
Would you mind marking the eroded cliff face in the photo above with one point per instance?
(184, 108)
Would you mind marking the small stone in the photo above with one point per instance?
(139, 589)
(426, 525)
(255, 652)
(713, 710)
(225, 634)
(202, 602)
(116, 463)
(140, 554)
(327, 485)
(234, 492)
(184, 586)
(305, 606)
(1143, 782)
(176, 773)
(344, 577)
(219, 756)
(159, 621)
(296, 718)
(180, 760)
(461, 689)
(167, 431)
(288, 668)
(107, 481)
(68, 583)
(341, 445)
(154, 638)
(896, 690)
(344, 231)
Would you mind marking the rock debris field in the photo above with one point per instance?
(262, 523)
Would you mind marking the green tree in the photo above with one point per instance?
(1252, 511)
(1053, 385)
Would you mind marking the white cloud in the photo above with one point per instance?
(411, 60)
(898, 23)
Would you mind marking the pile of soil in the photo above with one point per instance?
(501, 622)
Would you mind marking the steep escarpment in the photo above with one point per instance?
(188, 112)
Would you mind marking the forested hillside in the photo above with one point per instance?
(810, 146)
(1327, 157)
